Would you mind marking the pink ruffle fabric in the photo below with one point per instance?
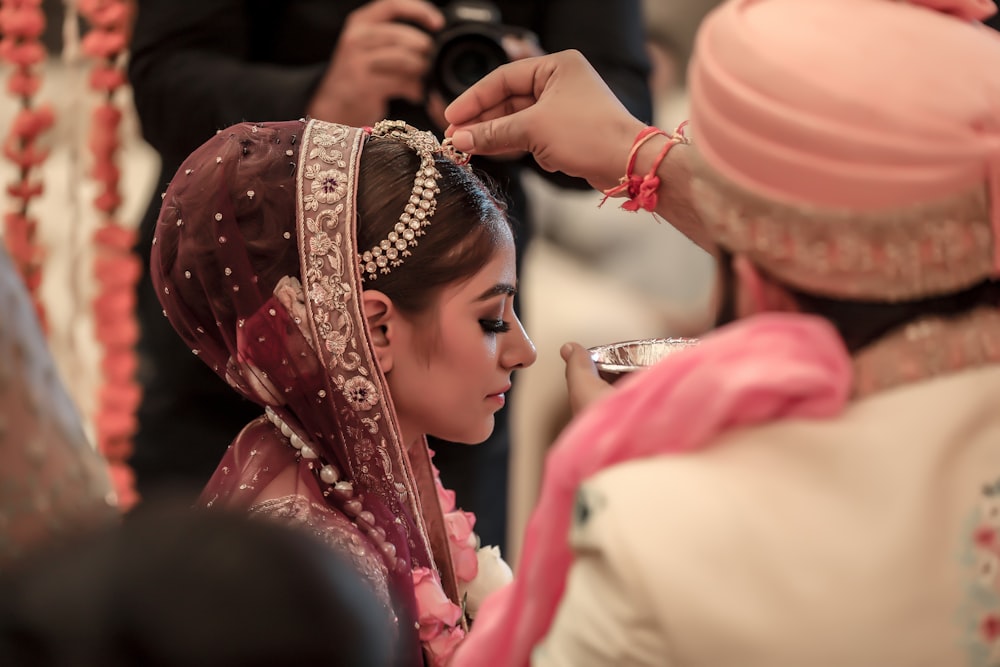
(849, 104)
(770, 367)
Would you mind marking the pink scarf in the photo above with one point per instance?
(769, 367)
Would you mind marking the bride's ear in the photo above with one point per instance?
(380, 316)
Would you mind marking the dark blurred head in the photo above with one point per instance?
(186, 589)
(859, 323)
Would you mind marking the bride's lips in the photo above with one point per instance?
(499, 396)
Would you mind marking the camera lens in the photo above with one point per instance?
(465, 60)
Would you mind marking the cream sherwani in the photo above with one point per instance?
(865, 541)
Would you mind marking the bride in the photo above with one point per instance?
(358, 284)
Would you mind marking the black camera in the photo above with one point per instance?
(469, 47)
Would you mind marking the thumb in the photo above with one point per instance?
(582, 380)
(578, 362)
(500, 135)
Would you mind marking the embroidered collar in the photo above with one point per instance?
(927, 348)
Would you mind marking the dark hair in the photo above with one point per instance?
(861, 323)
(463, 235)
(184, 588)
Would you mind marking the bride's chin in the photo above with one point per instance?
(469, 438)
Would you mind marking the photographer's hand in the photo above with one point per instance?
(377, 58)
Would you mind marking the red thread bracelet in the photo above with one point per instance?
(642, 191)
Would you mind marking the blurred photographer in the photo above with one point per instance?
(201, 65)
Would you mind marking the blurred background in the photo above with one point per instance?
(591, 275)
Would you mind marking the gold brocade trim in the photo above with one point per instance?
(327, 183)
(900, 254)
(927, 348)
(327, 186)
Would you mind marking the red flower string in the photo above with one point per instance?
(22, 22)
(116, 268)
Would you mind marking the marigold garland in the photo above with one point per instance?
(116, 268)
(22, 22)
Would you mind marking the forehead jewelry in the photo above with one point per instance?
(417, 213)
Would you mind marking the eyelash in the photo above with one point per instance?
(494, 326)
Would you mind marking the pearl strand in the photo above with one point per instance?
(343, 489)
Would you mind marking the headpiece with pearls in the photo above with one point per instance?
(416, 216)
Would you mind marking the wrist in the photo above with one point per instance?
(645, 167)
(621, 137)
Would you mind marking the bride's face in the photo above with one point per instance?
(457, 362)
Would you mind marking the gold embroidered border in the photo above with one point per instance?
(327, 186)
(898, 255)
(928, 348)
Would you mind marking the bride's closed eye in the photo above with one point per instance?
(494, 326)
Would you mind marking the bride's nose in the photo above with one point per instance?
(519, 351)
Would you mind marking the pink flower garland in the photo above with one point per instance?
(116, 267)
(21, 24)
(441, 629)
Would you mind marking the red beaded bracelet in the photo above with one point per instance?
(642, 190)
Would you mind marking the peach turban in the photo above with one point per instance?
(852, 146)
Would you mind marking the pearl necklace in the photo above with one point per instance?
(329, 476)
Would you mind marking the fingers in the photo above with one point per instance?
(507, 107)
(394, 34)
(389, 84)
(578, 361)
(499, 135)
(397, 62)
(584, 384)
(495, 131)
(516, 79)
(419, 12)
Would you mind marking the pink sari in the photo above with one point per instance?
(769, 367)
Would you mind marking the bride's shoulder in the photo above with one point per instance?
(331, 527)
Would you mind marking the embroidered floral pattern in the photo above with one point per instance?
(980, 614)
(360, 393)
(328, 187)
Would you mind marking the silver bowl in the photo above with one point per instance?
(616, 360)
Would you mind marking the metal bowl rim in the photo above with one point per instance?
(621, 368)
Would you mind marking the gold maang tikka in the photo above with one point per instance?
(417, 214)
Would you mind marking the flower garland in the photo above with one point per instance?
(116, 268)
(21, 23)
(479, 571)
